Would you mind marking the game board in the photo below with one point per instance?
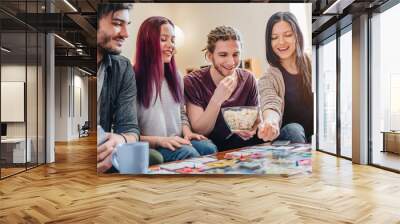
(260, 159)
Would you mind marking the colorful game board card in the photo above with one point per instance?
(202, 159)
(304, 162)
(221, 163)
(177, 165)
(244, 155)
(161, 171)
(284, 147)
(188, 170)
(250, 165)
(257, 155)
(280, 153)
(301, 149)
(236, 155)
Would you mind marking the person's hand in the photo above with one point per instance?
(190, 136)
(245, 135)
(248, 134)
(105, 164)
(172, 143)
(268, 131)
(224, 89)
(105, 150)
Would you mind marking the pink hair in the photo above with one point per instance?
(149, 68)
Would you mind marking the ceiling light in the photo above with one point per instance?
(64, 40)
(338, 6)
(71, 6)
(84, 71)
(5, 50)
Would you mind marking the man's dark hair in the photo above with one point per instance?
(105, 9)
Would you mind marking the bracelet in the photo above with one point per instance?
(124, 137)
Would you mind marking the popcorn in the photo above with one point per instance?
(240, 118)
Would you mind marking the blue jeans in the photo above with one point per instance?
(293, 132)
(198, 148)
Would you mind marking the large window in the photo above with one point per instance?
(22, 88)
(327, 96)
(385, 88)
(346, 93)
(335, 74)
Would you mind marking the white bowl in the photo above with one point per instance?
(240, 118)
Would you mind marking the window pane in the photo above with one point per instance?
(327, 97)
(13, 84)
(31, 96)
(385, 86)
(346, 94)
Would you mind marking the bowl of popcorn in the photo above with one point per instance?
(240, 118)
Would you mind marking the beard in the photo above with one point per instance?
(102, 46)
(219, 69)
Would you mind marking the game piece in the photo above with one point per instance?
(257, 155)
(204, 159)
(177, 165)
(221, 163)
(279, 153)
(184, 170)
(280, 143)
(250, 165)
(303, 162)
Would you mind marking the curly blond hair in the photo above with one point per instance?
(221, 33)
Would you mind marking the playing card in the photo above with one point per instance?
(221, 163)
(178, 165)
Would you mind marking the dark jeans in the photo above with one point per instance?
(293, 132)
(198, 148)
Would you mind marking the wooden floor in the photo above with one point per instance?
(70, 191)
(387, 159)
(5, 172)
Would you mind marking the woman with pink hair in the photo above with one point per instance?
(161, 111)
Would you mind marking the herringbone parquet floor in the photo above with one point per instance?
(70, 191)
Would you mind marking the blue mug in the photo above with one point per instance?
(131, 158)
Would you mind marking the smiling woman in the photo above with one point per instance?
(161, 112)
(285, 89)
(167, 36)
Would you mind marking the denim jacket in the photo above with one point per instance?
(118, 96)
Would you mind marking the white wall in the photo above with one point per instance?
(196, 21)
(12, 73)
(67, 115)
(79, 117)
(61, 103)
(303, 14)
(34, 125)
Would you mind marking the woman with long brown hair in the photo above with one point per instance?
(286, 97)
